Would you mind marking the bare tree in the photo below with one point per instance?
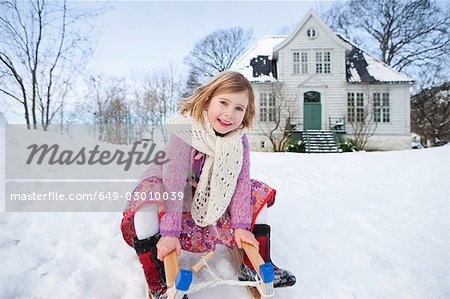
(191, 84)
(156, 99)
(408, 35)
(216, 52)
(430, 114)
(364, 117)
(276, 114)
(116, 119)
(106, 107)
(42, 49)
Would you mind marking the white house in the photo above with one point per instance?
(327, 82)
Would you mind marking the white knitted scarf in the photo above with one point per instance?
(220, 171)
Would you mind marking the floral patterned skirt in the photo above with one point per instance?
(194, 238)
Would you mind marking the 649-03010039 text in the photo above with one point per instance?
(97, 195)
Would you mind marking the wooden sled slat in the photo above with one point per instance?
(238, 258)
(171, 268)
(200, 264)
(253, 255)
(256, 260)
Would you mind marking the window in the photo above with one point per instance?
(376, 107)
(311, 33)
(351, 107)
(271, 107)
(296, 62)
(381, 107)
(326, 62)
(355, 107)
(267, 109)
(385, 107)
(304, 63)
(323, 62)
(263, 107)
(359, 107)
(319, 65)
(300, 62)
(311, 97)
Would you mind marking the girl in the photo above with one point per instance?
(209, 160)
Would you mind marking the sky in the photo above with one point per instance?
(147, 35)
(138, 37)
(142, 36)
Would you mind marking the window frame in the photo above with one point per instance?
(300, 62)
(381, 106)
(355, 107)
(263, 107)
(267, 107)
(351, 107)
(386, 109)
(296, 62)
(304, 62)
(359, 107)
(323, 62)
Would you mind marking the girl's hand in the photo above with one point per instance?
(243, 235)
(166, 245)
(199, 156)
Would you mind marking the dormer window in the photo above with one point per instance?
(261, 65)
(311, 33)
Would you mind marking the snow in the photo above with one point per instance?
(263, 47)
(353, 225)
(383, 72)
(378, 70)
(354, 74)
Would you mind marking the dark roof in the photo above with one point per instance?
(355, 59)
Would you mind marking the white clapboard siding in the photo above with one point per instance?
(333, 86)
(399, 108)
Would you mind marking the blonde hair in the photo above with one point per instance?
(224, 82)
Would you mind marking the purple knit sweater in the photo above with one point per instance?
(182, 166)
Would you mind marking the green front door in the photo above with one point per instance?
(312, 112)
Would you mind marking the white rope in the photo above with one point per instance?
(216, 280)
(260, 290)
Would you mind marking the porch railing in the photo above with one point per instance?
(337, 124)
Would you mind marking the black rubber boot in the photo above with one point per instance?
(283, 278)
(153, 268)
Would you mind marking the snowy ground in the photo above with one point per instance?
(357, 225)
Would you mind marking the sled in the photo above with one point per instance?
(179, 281)
(238, 259)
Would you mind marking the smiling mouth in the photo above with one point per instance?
(224, 123)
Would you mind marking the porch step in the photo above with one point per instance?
(320, 141)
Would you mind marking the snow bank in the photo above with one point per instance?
(356, 225)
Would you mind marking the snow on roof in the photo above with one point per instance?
(360, 66)
(382, 72)
(363, 68)
(354, 76)
(263, 47)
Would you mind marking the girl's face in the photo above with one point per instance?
(227, 110)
